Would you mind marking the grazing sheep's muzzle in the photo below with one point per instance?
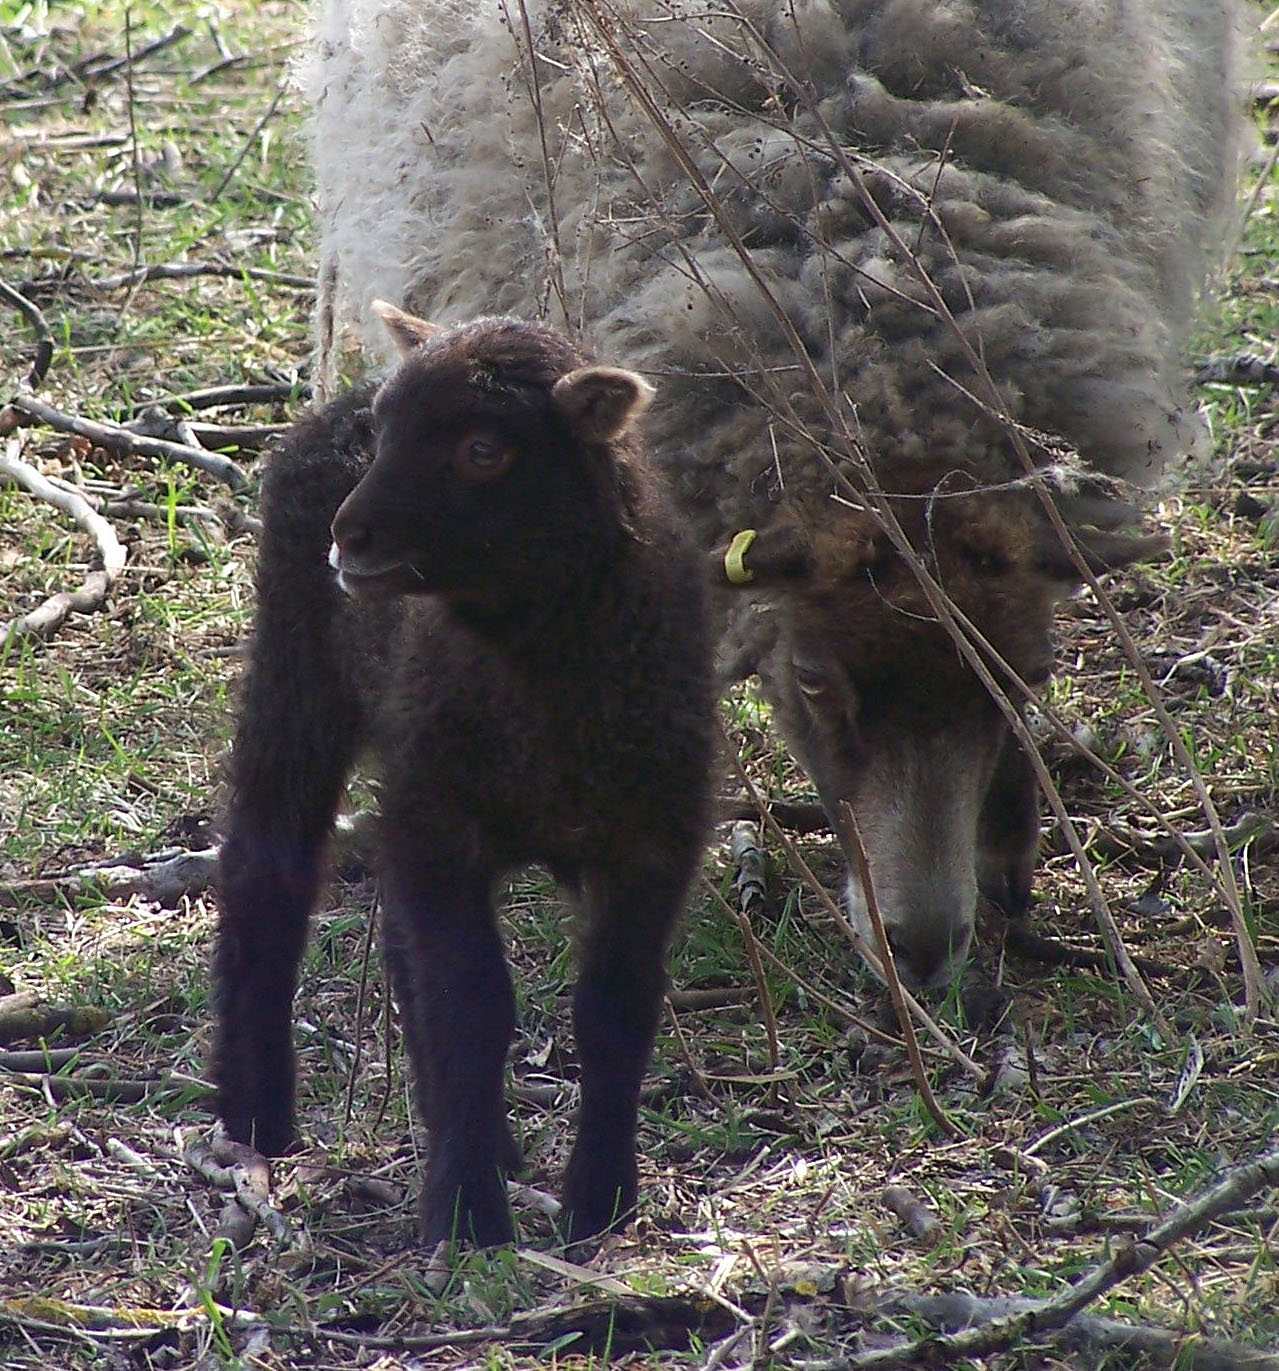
(929, 937)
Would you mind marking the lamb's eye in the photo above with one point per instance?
(478, 458)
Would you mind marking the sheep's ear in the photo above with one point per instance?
(601, 403)
(1102, 549)
(770, 556)
(406, 330)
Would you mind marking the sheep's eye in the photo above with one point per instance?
(810, 682)
(479, 459)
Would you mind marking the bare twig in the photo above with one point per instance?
(358, 1035)
(799, 818)
(117, 439)
(235, 1166)
(1094, 1339)
(182, 271)
(45, 619)
(91, 1088)
(24, 1016)
(164, 878)
(44, 339)
(1035, 1317)
(852, 836)
(741, 917)
(860, 945)
(919, 1220)
(249, 142)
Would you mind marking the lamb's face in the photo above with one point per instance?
(492, 464)
(882, 710)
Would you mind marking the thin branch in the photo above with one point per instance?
(44, 339)
(1128, 1259)
(859, 944)
(249, 142)
(182, 271)
(742, 919)
(214, 397)
(46, 618)
(117, 439)
(852, 836)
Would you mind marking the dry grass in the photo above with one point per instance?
(109, 742)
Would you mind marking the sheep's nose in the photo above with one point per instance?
(927, 958)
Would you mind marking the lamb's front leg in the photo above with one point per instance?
(615, 1014)
(458, 1011)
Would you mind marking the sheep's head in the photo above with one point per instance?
(499, 466)
(882, 710)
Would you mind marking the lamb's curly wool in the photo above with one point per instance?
(840, 236)
(1055, 167)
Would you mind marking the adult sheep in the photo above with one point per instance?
(908, 270)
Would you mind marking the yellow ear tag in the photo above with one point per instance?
(738, 573)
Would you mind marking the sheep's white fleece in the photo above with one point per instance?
(1058, 167)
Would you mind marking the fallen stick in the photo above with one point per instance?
(234, 1166)
(117, 439)
(1120, 841)
(46, 618)
(79, 1088)
(1087, 1335)
(45, 1312)
(39, 1059)
(163, 881)
(44, 338)
(23, 1016)
(919, 1221)
(1034, 1318)
(219, 397)
(183, 271)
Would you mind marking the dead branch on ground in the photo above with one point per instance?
(24, 1017)
(117, 439)
(1035, 1318)
(44, 338)
(45, 619)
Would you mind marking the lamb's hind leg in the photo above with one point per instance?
(299, 725)
(457, 1008)
(288, 779)
(615, 1013)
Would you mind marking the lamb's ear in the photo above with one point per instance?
(601, 403)
(406, 330)
(1102, 549)
(770, 556)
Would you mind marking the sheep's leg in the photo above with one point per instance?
(615, 1016)
(458, 1012)
(1008, 832)
(289, 765)
(299, 726)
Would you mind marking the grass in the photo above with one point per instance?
(110, 740)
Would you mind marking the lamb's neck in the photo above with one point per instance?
(546, 620)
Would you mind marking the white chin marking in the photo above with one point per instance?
(335, 558)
